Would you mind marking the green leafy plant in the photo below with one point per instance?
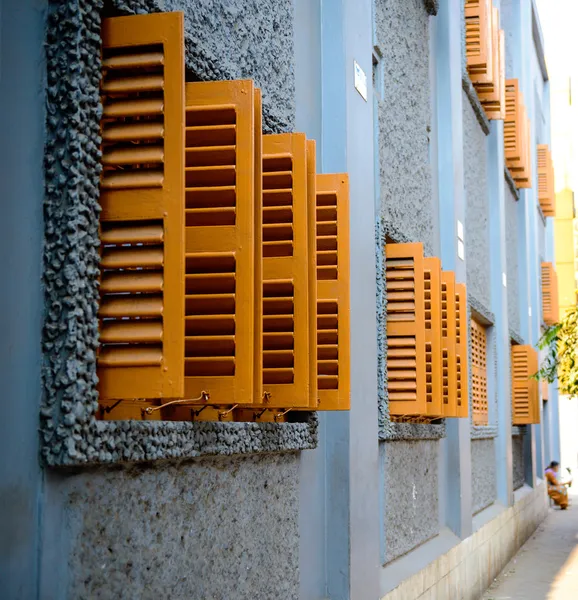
(560, 341)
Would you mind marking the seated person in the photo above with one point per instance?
(556, 490)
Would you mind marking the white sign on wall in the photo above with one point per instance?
(360, 80)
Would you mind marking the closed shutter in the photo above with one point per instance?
(142, 198)
(433, 335)
(333, 332)
(286, 265)
(406, 366)
(222, 303)
(462, 379)
(479, 373)
(549, 294)
(449, 364)
(546, 191)
(525, 407)
(478, 39)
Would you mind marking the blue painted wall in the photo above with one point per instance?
(22, 72)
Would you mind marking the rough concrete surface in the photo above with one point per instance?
(483, 474)
(238, 39)
(70, 433)
(410, 495)
(518, 461)
(211, 529)
(546, 567)
(404, 117)
(475, 103)
(512, 258)
(477, 240)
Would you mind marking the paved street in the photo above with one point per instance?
(546, 567)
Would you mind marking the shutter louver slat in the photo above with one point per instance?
(141, 293)
(525, 396)
(517, 136)
(222, 201)
(406, 388)
(333, 327)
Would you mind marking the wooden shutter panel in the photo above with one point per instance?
(222, 305)
(449, 370)
(525, 407)
(479, 373)
(549, 294)
(478, 39)
(142, 199)
(517, 136)
(433, 335)
(406, 368)
(286, 265)
(462, 379)
(333, 332)
(546, 190)
(493, 95)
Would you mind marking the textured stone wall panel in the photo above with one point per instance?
(512, 258)
(410, 495)
(483, 474)
(518, 461)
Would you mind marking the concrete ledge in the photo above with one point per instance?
(511, 183)
(484, 432)
(467, 569)
(472, 95)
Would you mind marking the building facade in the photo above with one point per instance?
(364, 503)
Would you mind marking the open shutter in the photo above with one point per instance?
(479, 373)
(549, 294)
(462, 379)
(222, 305)
(286, 265)
(406, 367)
(546, 191)
(142, 199)
(433, 335)
(479, 39)
(449, 373)
(517, 136)
(333, 329)
(493, 95)
(525, 407)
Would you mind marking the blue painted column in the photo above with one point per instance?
(499, 306)
(456, 448)
(22, 118)
(352, 438)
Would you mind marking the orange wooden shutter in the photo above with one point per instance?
(545, 391)
(478, 18)
(517, 136)
(449, 369)
(312, 255)
(286, 264)
(222, 306)
(433, 335)
(546, 191)
(479, 373)
(142, 199)
(462, 379)
(333, 329)
(549, 294)
(406, 368)
(525, 407)
(492, 95)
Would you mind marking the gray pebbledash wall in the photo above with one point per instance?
(477, 239)
(410, 491)
(238, 39)
(212, 528)
(512, 258)
(404, 118)
(483, 474)
(518, 474)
